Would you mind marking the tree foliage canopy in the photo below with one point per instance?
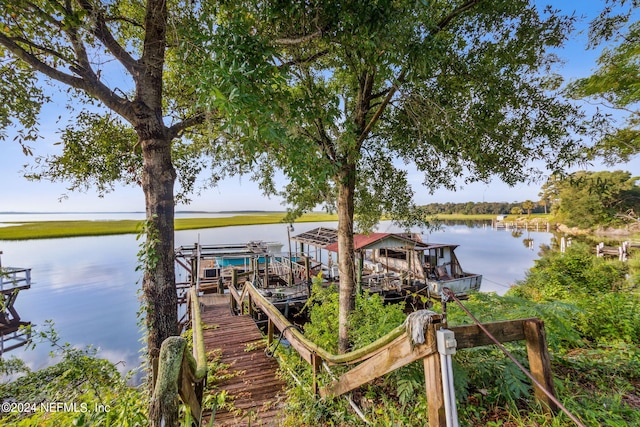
(454, 89)
(616, 81)
(590, 199)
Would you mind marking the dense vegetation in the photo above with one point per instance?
(590, 199)
(80, 390)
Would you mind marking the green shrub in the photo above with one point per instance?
(79, 390)
(370, 320)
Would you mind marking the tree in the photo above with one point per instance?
(616, 80)
(452, 88)
(80, 46)
(591, 199)
(528, 205)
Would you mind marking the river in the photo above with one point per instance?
(88, 286)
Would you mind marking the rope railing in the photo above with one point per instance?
(180, 373)
(305, 347)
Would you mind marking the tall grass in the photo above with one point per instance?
(58, 229)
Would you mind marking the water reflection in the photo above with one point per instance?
(89, 285)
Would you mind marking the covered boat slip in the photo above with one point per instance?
(395, 265)
(391, 262)
(280, 276)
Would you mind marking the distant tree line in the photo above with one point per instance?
(583, 199)
(496, 208)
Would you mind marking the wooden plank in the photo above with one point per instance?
(435, 394)
(397, 354)
(469, 336)
(255, 388)
(539, 361)
(187, 391)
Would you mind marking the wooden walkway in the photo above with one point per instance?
(253, 387)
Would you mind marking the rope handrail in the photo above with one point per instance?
(181, 373)
(200, 354)
(306, 347)
(400, 347)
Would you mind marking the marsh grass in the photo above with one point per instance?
(58, 229)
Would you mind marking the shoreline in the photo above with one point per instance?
(30, 230)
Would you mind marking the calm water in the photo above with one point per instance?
(88, 285)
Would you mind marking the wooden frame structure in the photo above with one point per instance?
(14, 332)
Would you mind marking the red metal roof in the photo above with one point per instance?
(362, 241)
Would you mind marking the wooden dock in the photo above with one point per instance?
(253, 385)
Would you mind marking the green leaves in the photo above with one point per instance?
(591, 199)
(616, 81)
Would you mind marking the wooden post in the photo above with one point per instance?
(433, 382)
(232, 302)
(307, 268)
(194, 272)
(360, 265)
(435, 396)
(163, 408)
(539, 361)
(269, 332)
(316, 363)
(266, 271)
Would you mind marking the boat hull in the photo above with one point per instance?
(459, 286)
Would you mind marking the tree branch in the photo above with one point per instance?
(178, 128)
(149, 89)
(87, 84)
(123, 19)
(391, 91)
(46, 16)
(455, 13)
(401, 78)
(102, 32)
(38, 65)
(299, 40)
(43, 49)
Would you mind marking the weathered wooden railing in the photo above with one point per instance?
(395, 350)
(180, 374)
(288, 270)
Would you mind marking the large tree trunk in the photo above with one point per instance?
(158, 286)
(346, 255)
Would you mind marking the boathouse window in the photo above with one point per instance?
(211, 272)
(440, 252)
(390, 253)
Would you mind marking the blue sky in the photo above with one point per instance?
(20, 195)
